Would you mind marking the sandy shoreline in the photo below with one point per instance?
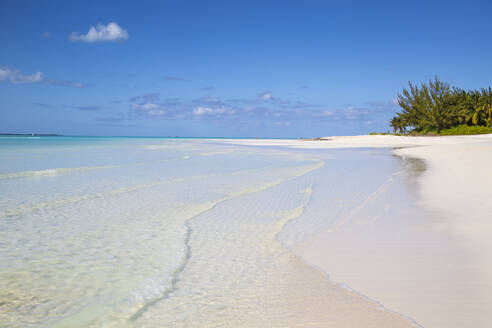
(435, 268)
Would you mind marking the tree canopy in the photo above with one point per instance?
(435, 106)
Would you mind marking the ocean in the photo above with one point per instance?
(163, 232)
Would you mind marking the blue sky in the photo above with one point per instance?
(230, 68)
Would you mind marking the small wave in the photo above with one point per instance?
(381, 305)
(63, 170)
(217, 153)
(293, 214)
(52, 172)
(60, 202)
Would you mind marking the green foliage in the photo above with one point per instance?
(482, 115)
(384, 134)
(466, 129)
(433, 107)
(457, 130)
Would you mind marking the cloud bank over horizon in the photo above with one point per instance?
(273, 111)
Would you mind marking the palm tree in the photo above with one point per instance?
(483, 114)
(398, 124)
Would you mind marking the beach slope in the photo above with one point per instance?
(430, 259)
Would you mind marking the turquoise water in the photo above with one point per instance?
(146, 232)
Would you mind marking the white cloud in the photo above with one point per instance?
(145, 106)
(15, 76)
(150, 109)
(323, 113)
(110, 32)
(283, 123)
(201, 110)
(148, 106)
(352, 112)
(157, 112)
(265, 95)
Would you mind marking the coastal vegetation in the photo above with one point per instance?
(435, 108)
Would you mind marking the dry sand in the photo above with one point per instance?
(436, 266)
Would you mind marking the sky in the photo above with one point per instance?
(284, 69)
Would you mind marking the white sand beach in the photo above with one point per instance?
(434, 267)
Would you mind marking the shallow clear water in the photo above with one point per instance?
(115, 232)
